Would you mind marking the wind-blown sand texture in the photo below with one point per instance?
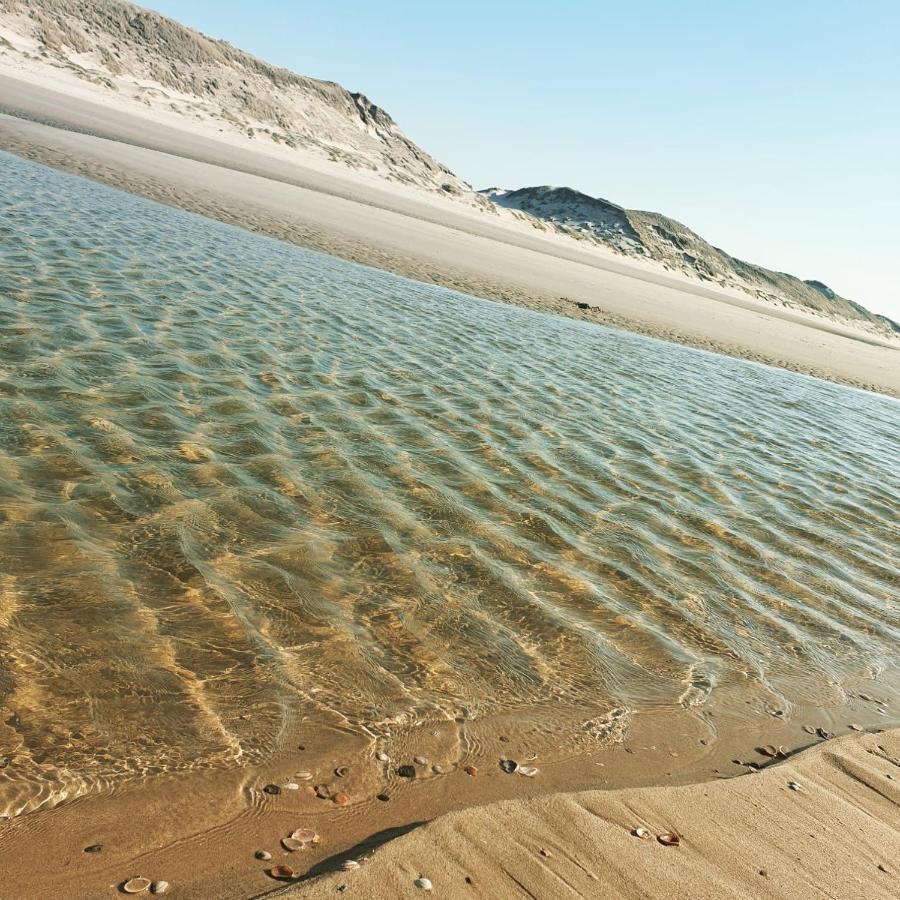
(427, 238)
(752, 836)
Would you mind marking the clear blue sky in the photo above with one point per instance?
(770, 128)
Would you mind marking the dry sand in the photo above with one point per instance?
(752, 836)
(425, 237)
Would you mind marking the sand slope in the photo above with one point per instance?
(751, 836)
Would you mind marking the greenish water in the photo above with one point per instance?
(243, 486)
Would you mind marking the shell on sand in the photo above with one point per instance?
(768, 750)
(340, 798)
(470, 770)
(348, 865)
(509, 765)
(382, 756)
(305, 836)
(136, 885)
(159, 887)
(528, 771)
(291, 844)
(283, 873)
(669, 839)
(423, 883)
(642, 833)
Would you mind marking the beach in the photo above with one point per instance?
(358, 217)
(457, 572)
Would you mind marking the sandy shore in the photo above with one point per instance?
(752, 836)
(427, 238)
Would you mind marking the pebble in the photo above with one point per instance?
(420, 760)
(509, 765)
(856, 727)
(470, 770)
(283, 873)
(383, 798)
(263, 854)
(439, 770)
(94, 848)
(340, 799)
(323, 792)
(546, 852)
(382, 756)
(159, 887)
(272, 789)
(292, 786)
(793, 786)
(423, 883)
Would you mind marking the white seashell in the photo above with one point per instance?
(423, 883)
(303, 776)
(793, 786)
(348, 865)
(642, 833)
(291, 844)
(527, 771)
(136, 885)
(159, 887)
(263, 854)
(420, 760)
(382, 756)
(305, 836)
(292, 786)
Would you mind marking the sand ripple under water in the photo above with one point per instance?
(244, 486)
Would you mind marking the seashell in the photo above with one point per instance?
(303, 776)
(642, 833)
(864, 697)
(809, 729)
(136, 885)
(545, 852)
(793, 786)
(94, 848)
(509, 765)
(471, 770)
(856, 727)
(283, 873)
(159, 887)
(406, 771)
(383, 797)
(420, 760)
(292, 786)
(348, 865)
(825, 735)
(272, 789)
(382, 756)
(263, 854)
(291, 844)
(323, 792)
(423, 883)
(767, 750)
(305, 836)
(340, 799)
(342, 771)
(528, 771)
(669, 839)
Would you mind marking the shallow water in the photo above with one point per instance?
(245, 487)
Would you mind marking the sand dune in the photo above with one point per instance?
(752, 836)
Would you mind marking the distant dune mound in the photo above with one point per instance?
(651, 236)
(161, 63)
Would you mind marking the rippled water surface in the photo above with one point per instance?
(244, 486)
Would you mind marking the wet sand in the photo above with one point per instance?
(753, 836)
(410, 233)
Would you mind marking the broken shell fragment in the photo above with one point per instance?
(159, 887)
(382, 756)
(527, 771)
(509, 765)
(423, 883)
(348, 865)
(283, 873)
(136, 885)
(642, 833)
(856, 727)
(323, 792)
(793, 786)
(669, 839)
(342, 771)
(305, 836)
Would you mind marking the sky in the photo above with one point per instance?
(772, 129)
